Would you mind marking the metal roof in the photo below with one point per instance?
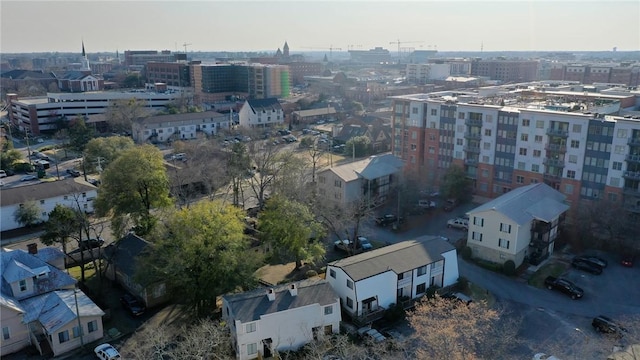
(44, 190)
(250, 306)
(399, 258)
(370, 168)
(56, 309)
(11, 303)
(536, 201)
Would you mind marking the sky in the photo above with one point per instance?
(580, 25)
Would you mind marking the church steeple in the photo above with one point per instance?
(85, 61)
(285, 49)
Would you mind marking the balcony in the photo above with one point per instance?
(471, 162)
(473, 136)
(633, 158)
(472, 175)
(632, 175)
(553, 162)
(472, 149)
(634, 142)
(557, 132)
(474, 122)
(556, 148)
(633, 208)
(551, 177)
(368, 317)
(631, 191)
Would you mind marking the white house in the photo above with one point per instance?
(370, 282)
(161, 128)
(72, 192)
(261, 113)
(41, 307)
(283, 318)
(369, 179)
(521, 223)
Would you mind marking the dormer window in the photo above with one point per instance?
(23, 285)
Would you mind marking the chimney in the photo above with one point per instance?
(293, 290)
(271, 295)
(32, 248)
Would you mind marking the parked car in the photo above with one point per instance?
(28, 178)
(344, 245)
(458, 296)
(106, 352)
(371, 334)
(426, 204)
(3, 174)
(94, 182)
(565, 286)
(458, 223)
(73, 172)
(543, 356)
(606, 325)
(627, 260)
(132, 304)
(593, 260)
(387, 219)
(364, 243)
(179, 156)
(91, 243)
(586, 266)
(450, 204)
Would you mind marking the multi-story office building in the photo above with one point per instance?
(626, 74)
(505, 70)
(424, 73)
(170, 73)
(572, 140)
(142, 57)
(372, 56)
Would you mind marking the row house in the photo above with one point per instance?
(186, 126)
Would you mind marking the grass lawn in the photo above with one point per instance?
(480, 294)
(89, 271)
(550, 269)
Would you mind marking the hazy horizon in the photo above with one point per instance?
(107, 26)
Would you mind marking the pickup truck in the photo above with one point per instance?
(563, 285)
(387, 220)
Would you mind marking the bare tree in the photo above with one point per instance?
(269, 161)
(122, 113)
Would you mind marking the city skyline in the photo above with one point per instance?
(313, 25)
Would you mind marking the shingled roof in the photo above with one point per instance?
(44, 190)
(258, 105)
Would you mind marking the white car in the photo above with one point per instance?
(458, 223)
(543, 356)
(107, 352)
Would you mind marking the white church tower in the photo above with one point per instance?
(85, 61)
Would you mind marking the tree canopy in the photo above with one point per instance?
(106, 149)
(201, 251)
(362, 146)
(132, 185)
(288, 226)
(79, 133)
(62, 223)
(456, 184)
(122, 113)
(28, 214)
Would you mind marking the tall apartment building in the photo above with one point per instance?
(423, 73)
(626, 74)
(505, 70)
(170, 73)
(514, 138)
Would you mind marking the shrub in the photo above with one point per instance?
(323, 270)
(466, 253)
(490, 265)
(509, 268)
(394, 313)
(463, 283)
(311, 273)
(431, 292)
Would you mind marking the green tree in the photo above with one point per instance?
(28, 214)
(61, 225)
(362, 146)
(456, 184)
(7, 158)
(202, 253)
(106, 149)
(133, 81)
(79, 133)
(132, 185)
(288, 226)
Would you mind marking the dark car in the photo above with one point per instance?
(132, 304)
(605, 325)
(595, 260)
(387, 220)
(450, 204)
(586, 266)
(73, 172)
(565, 286)
(627, 260)
(91, 243)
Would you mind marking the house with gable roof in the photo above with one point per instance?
(41, 307)
(521, 223)
(261, 113)
(280, 318)
(368, 283)
(367, 180)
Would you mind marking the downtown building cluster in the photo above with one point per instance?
(582, 140)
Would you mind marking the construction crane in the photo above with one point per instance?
(403, 42)
(185, 47)
(330, 48)
(352, 47)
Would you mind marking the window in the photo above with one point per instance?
(349, 303)
(577, 128)
(524, 137)
(568, 189)
(505, 228)
(478, 221)
(328, 310)
(337, 183)
(520, 179)
(487, 132)
(477, 236)
(414, 110)
(250, 327)
(461, 115)
(523, 151)
(414, 135)
(76, 332)
(503, 243)
(23, 285)
(5, 333)
(526, 122)
(332, 273)
(619, 149)
(252, 349)
(571, 174)
(622, 133)
(93, 326)
(413, 147)
(613, 197)
(434, 112)
(573, 159)
(432, 150)
(321, 179)
(614, 182)
(575, 144)
(617, 165)
(521, 165)
(421, 289)
(458, 141)
(535, 168)
(63, 336)
(350, 284)
(537, 153)
(422, 270)
(485, 173)
(540, 124)
(537, 138)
